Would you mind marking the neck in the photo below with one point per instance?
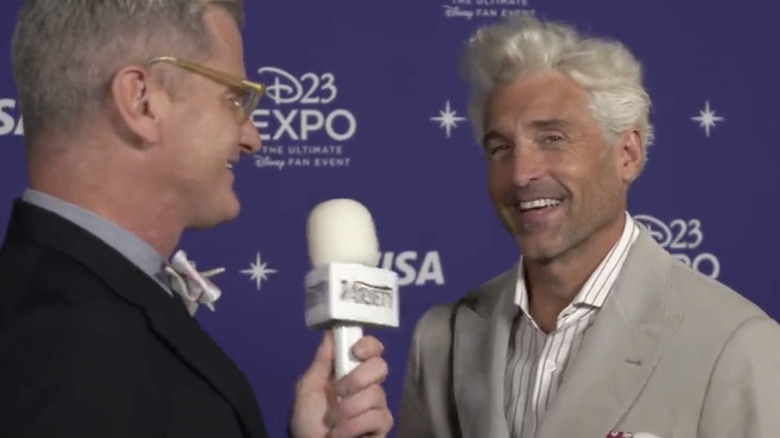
(554, 284)
(112, 185)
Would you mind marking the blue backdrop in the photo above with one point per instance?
(364, 101)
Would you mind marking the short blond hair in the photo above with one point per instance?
(65, 52)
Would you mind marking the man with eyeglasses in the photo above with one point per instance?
(135, 113)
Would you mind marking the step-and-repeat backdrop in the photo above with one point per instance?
(364, 101)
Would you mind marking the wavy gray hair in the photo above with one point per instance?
(523, 44)
(65, 52)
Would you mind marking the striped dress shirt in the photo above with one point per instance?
(537, 361)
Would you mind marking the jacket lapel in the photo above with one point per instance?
(620, 351)
(479, 359)
(168, 318)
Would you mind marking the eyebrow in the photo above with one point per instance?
(550, 124)
(491, 135)
(547, 124)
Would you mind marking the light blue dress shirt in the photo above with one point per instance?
(128, 244)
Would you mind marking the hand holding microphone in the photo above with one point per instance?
(344, 291)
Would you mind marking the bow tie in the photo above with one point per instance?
(192, 286)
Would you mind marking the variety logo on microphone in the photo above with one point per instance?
(360, 292)
(303, 127)
(351, 292)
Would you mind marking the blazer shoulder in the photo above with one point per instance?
(435, 324)
(46, 282)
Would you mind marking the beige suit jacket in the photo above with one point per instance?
(672, 353)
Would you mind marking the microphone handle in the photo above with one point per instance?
(345, 336)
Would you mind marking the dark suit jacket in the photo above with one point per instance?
(90, 346)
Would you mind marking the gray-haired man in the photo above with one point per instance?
(597, 331)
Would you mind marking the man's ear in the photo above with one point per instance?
(630, 155)
(139, 102)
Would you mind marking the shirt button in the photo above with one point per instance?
(550, 366)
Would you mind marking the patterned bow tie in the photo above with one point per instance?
(192, 286)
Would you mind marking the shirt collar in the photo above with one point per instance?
(135, 249)
(596, 289)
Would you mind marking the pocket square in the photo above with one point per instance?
(618, 434)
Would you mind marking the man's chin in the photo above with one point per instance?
(218, 216)
(538, 250)
(229, 214)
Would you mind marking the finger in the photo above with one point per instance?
(372, 371)
(373, 397)
(332, 415)
(374, 423)
(367, 347)
(322, 365)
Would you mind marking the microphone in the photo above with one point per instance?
(344, 289)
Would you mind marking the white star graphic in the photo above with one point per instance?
(259, 271)
(707, 118)
(447, 119)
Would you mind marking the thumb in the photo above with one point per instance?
(322, 366)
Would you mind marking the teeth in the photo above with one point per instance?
(229, 165)
(539, 203)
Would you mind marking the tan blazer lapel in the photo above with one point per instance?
(620, 350)
(479, 359)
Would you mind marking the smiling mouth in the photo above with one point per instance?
(536, 204)
(229, 165)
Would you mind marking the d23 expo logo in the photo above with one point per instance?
(300, 122)
(682, 239)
